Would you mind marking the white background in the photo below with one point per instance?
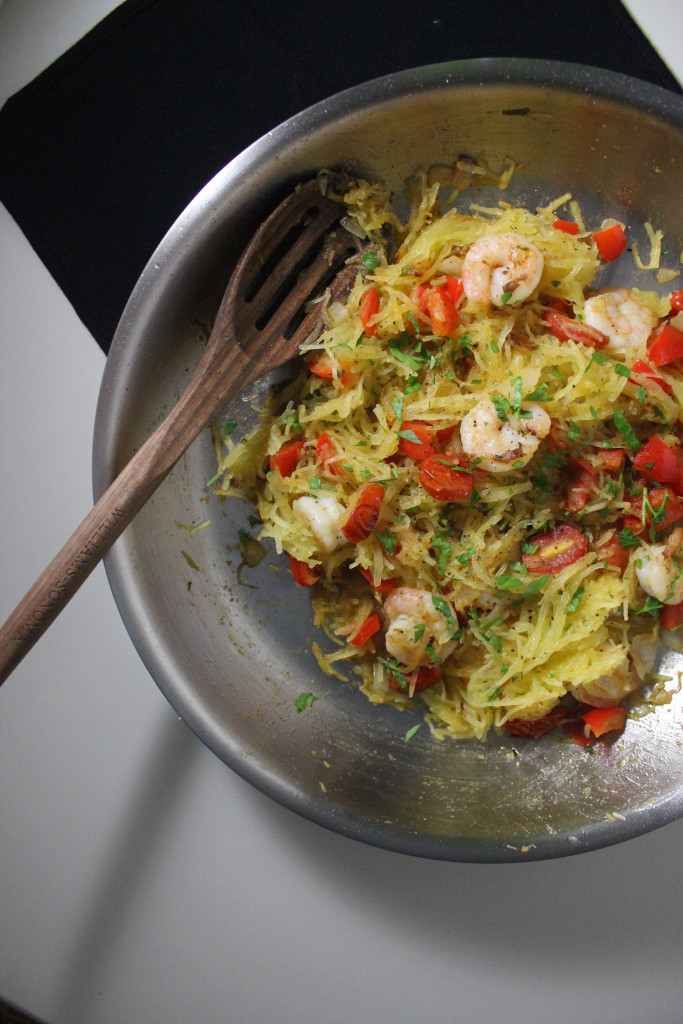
(142, 881)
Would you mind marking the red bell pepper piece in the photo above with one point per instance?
(364, 515)
(658, 498)
(602, 720)
(456, 289)
(665, 345)
(644, 368)
(419, 678)
(369, 306)
(612, 553)
(677, 301)
(661, 463)
(383, 587)
(326, 456)
(286, 459)
(367, 629)
(421, 448)
(609, 460)
(611, 242)
(302, 572)
(323, 368)
(441, 309)
(584, 481)
(568, 226)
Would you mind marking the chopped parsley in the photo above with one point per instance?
(388, 540)
(304, 700)
(409, 435)
(626, 430)
(651, 605)
(577, 596)
(627, 539)
(539, 394)
(444, 549)
(444, 607)
(395, 668)
(502, 406)
(411, 732)
(228, 428)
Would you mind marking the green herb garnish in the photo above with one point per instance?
(304, 700)
(576, 599)
(626, 430)
(228, 428)
(388, 540)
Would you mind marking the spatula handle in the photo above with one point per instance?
(119, 504)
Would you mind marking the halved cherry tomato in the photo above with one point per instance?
(677, 301)
(611, 242)
(302, 572)
(568, 226)
(557, 548)
(665, 345)
(383, 587)
(661, 463)
(584, 480)
(561, 305)
(424, 446)
(566, 328)
(419, 678)
(367, 629)
(658, 498)
(326, 456)
(671, 615)
(442, 311)
(611, 552)
(444, 480)
(609, 460)
(538, 727)
(346, 377)
(644, 368)
(369, 306)
(602, 720)
(286, 458)
(364, 515)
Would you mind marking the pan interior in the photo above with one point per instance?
(230, 646)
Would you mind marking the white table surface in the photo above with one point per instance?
(142, 881)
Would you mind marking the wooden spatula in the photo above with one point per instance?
(260, 324)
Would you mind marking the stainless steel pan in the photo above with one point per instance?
(231, 648)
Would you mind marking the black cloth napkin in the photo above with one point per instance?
(101, 152)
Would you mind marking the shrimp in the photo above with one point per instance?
(421, 627)
(324, 517)
(607, 690)
(625, 320)
(501, 269)
(659, 568)
(499, 443)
